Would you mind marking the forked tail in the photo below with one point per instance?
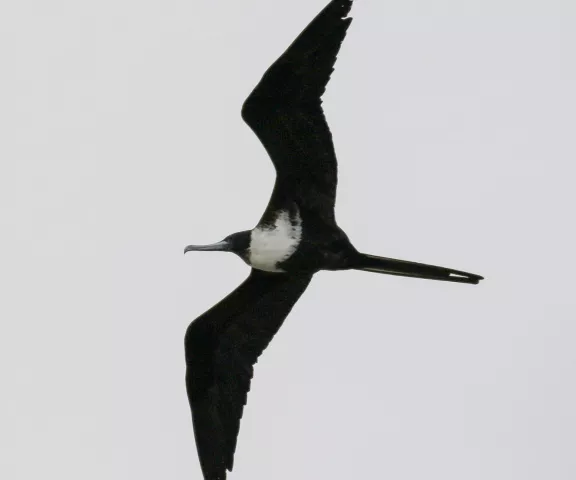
(391, 266)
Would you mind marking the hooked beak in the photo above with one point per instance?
(215, 247)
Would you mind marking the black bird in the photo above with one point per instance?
(296, 237)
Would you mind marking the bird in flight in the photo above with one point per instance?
(296, 237)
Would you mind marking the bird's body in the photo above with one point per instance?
(296, 237)
(285, 244)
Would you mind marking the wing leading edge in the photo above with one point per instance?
(222, 346)
(285, 112)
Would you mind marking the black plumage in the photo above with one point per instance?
(296, 237)
(285, 112)
(222, 346)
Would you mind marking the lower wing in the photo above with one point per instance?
(222, 346)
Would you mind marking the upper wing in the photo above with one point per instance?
(222, 345)
(285, 112)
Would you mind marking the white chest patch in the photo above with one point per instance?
(273, 244)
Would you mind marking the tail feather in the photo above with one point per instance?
(391, 266)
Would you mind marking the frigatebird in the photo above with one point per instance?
(296, 237)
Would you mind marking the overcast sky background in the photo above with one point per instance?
(121, 142)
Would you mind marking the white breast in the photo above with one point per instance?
(270, 245)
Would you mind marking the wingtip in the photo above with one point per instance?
(344, 7)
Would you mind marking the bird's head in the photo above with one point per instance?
(238, 243)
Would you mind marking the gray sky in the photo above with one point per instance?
(121, 142)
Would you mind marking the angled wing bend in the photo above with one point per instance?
(284, 111)
(222, 345)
